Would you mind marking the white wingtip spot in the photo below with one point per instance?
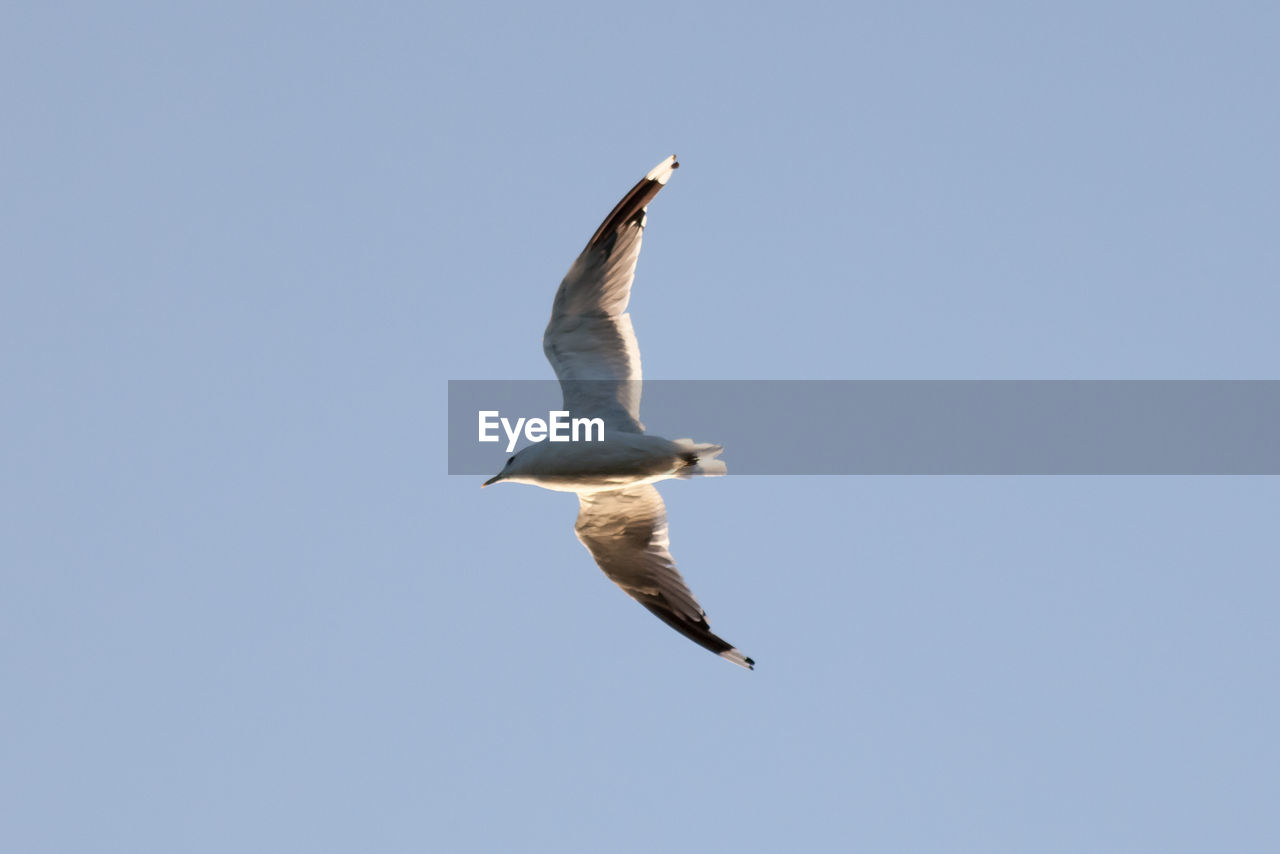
(662, 172)
(738, 659)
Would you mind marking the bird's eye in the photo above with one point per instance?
(509, 460)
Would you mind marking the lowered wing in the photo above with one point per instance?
(626, 532)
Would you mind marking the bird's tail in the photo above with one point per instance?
(700, 459)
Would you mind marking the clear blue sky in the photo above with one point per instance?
(242, 608)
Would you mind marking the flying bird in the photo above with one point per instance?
(592, 347)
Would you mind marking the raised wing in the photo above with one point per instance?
(626, 532)
(589, 340)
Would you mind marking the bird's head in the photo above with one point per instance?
(500, 475)
(512, 468)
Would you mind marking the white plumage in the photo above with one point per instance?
(592, 347)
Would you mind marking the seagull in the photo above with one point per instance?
(592, 347)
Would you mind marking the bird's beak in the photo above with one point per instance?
(494, 479)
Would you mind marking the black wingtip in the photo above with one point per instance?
(630, 211)
(698, 632)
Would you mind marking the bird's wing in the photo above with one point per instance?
(626, 532)
(589, 340)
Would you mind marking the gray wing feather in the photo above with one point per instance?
(626, 532)
(589, 340)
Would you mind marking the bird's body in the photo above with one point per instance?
(592, 346)
(621, 459)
